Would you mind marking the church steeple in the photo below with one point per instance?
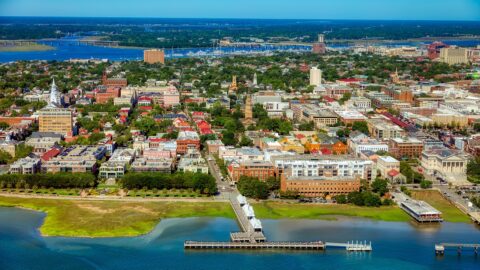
(54, 99)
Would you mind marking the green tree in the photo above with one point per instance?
(380, 186)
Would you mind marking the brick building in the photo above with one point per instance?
(258, 169)
(319, 186)
(405, 147)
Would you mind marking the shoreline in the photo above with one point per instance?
(36, 47)
(132, 217)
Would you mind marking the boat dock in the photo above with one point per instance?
(441, 248)
(251, 235)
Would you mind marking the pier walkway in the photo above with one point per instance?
(263, 245)
(441, 248)
(248, 233)
(251, 235)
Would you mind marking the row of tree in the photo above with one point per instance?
(205, 183)
(254, 188)
(48, 180)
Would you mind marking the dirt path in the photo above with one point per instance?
(109, 198)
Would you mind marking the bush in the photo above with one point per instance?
(426, 184)
(341, 199)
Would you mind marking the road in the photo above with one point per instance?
(225, 191)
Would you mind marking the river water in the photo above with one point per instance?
(396, 246)
(69, 48)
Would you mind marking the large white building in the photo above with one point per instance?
(315, 76)
(331, 165)
(445, 163)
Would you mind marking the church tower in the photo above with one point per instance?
(233, 86)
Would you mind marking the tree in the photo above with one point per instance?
(4, 125)
(425, 184)
(380, 186)
(245, 141)
(5, 157)
(273, 183)
(341, 199)
(361, 126)
(252, 188)
(228, 137)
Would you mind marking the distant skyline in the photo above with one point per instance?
(254, 9)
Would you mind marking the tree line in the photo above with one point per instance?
(48, 180)
(203, 182)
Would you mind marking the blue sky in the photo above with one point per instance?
(266, 9)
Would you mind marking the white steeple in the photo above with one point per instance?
(255, 79)
(54, 98)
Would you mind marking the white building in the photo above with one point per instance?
(315, 76)
(450, 165)
(310, 165)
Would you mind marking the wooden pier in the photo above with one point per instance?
(441, 248)
(264, 245)
(251, 236)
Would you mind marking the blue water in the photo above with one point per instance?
(396, 246)
(70, 48)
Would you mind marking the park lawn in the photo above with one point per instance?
(449, 211)
(26, 48)
(72, 218)
(276, 210)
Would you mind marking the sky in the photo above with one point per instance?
(259, 9)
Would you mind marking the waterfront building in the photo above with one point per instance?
(421, 211)
(154, 56)
(26, 165)
(116, 166)
(76, 159)
(319, 186)
(324, 165)
(257, 169)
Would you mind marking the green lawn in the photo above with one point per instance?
(449, 211)
(112, 218)
(275, 210)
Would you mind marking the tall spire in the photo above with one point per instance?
(54, 100)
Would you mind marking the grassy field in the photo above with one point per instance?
(450, 212)
(26, 48)
(112, 218)
(274, 210)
